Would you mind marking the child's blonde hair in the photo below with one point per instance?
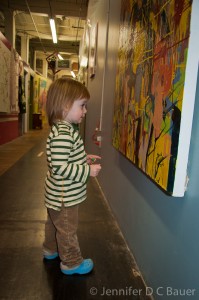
(61, 95)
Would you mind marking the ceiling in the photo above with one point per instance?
(32, 20)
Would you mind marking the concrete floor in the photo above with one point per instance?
(24, 273)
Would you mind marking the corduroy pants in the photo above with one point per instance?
(61, 235)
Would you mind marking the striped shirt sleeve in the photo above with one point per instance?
(68, 158)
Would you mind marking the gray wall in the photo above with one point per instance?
(161, 231)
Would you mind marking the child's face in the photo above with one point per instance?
(77, 112)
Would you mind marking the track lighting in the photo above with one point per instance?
(73, 74)
(59, 56)
(53, 30)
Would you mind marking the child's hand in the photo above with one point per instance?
(94, 170)
(91, 158)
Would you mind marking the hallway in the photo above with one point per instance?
(24, 273)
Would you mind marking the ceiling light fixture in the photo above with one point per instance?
(73, 74)
(53, 30)
(60, 57)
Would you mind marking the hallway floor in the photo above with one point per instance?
(24, 273)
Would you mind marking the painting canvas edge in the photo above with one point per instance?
(188, 105)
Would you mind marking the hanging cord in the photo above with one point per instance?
(35, 26)
(51, 15)
(79, 19)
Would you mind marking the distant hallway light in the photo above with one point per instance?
(73, 74)
(53, 30)
(60, 57)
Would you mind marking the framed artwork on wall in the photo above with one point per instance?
(63, 64)
(5, 53)
(84, 54)
(93, 50)
(155, 88)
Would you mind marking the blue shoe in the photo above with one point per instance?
(48, 255)
(84, 268)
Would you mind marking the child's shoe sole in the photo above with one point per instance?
(51, 256)
(84, 268)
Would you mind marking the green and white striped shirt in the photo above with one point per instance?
(68, 170)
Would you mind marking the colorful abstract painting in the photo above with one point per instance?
(153, 47)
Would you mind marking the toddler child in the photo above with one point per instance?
(69, 168)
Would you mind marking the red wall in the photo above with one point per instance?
(9, 127)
